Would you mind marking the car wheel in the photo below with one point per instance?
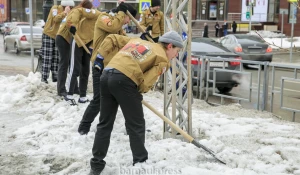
(5, 47)
(224, 90)
(17, 51)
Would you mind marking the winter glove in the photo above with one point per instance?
(91, 50)
(143, 36)
(149, 28)
(122, 7)
(73, 30)
(98, 63)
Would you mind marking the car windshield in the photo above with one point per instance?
(249, 39)
(207, 45)
(34, 30)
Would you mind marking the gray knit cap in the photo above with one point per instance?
(173, 38)
(67, 3)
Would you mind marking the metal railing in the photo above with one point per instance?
(264, 99)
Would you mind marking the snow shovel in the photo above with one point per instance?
(184, 134)
(138, 25)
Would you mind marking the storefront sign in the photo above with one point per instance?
(260, 11)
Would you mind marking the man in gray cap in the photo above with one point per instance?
(128, 73)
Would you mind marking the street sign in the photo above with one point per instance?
(283, 11)
(96, 3)
(27, 11)
(144, 5)
(247, 15)
(1, 6)
(2, 11)
(292, 0)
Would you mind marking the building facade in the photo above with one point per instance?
(265, 12)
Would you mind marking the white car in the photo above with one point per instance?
(6, 24)
(18, 39)
(39, 23)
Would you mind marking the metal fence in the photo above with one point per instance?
(266, 80)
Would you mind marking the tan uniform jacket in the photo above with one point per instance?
(105, 25)
(84, 20)
(56, 15)
(142, 61)
(64, 30)
(157, 21)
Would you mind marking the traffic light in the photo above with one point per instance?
(248, 2)
(247, 15)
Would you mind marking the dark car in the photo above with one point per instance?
(225, 81)
(249, 47)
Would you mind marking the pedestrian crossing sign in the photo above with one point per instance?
(144, 5)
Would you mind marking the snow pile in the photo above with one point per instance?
(251, 142)
(267, 34)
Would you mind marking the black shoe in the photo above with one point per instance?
(54, 80)
(83, 132)
(83, 101)
(141, 161)
(83, 129)
(93, 172)
(44, 80)
(72, 102)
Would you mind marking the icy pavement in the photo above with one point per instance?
(39, 136)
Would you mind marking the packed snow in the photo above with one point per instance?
(39, 136)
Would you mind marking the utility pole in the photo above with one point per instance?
(250, 17)
(292, 31)
(46, 8)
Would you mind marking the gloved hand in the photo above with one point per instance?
(98, 63)
(122, 7)
(149, 28)
(73, 30)
(143, 36)
(91, 50)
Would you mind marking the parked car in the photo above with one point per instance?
(249, 47)
(18, 39)
(4, 27)
(225, 81)
(14, 24)
(39, 23)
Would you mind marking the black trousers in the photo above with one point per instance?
(117, 89)
(93, 108)
(217, 31)
(64, 58)
(79, 67)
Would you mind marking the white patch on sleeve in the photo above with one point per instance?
(93, 11)
(88, 10)
(54, 12)
(164, 70)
